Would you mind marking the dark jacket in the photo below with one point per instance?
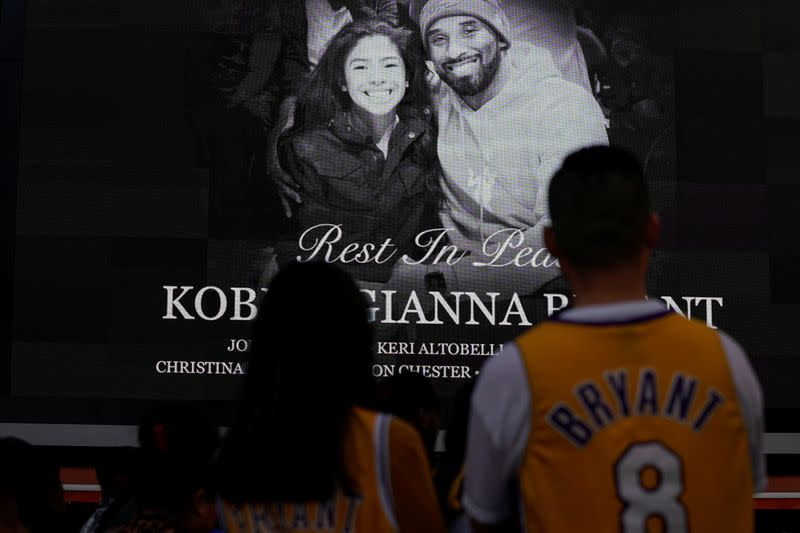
(346, 179)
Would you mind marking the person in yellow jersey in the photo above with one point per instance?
(615, 415)
(305, 452)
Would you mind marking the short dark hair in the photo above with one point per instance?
(599, 207)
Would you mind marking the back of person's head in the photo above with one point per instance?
(177, 444)
(599, 207)
(310, 363)
(412, 397)
(30, 488)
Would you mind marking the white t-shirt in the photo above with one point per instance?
(383, 143)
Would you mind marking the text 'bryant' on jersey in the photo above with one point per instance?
(679, 403)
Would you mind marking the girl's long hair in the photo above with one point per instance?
(310, 363)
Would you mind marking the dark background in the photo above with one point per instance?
(102, 203)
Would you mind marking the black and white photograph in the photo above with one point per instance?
(399, 265)
(185, 157)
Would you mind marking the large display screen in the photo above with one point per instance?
(149, 219)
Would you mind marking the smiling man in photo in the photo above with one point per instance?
(507, 118)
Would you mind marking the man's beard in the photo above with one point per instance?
(476, 83)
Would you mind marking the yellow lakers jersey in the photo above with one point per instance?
(367, 509)
(635, 427)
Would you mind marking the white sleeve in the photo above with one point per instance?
(751, 403)
(498, 430)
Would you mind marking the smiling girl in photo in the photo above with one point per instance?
(363, 149)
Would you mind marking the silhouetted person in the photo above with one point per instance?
(31, 496)
(116, 469)
(303, 446)
(177, 446)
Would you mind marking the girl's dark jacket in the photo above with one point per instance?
(345, 179)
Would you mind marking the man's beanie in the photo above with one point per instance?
(426, 12)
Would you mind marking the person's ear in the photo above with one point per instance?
(652, 231)
(344, 88)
